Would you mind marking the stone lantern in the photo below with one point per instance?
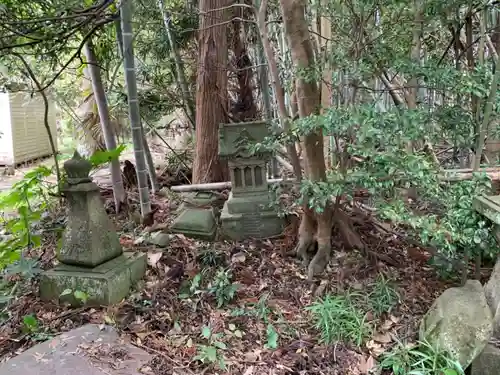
(247, 212)
(91, 258)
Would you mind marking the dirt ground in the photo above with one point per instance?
(265, 326)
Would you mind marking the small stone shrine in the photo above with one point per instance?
(247, 212)
(198, 216)
(92, 259)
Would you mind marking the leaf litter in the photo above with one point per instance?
(263, 329)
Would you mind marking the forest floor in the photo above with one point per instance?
(184, 311)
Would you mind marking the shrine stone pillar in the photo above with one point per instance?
(247, 212)
(91, 257)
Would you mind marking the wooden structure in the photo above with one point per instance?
(23, 136)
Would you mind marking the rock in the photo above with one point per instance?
(83, 351)
(492, 293)
(488, 362)
(159, 239)
(460, 322)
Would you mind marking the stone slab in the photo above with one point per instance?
(105, 284)
(196, 223)
(201, 199)
(248, 203)
(258, 225)
(67, 354)
(488, 362)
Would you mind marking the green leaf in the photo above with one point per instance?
(36, 240)
(81, 296)
(220, 345)
(450, 371)
(211, 353)
(66, 292)
(272, 337)
(30, 322)
(206, 332)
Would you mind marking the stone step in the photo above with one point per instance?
(88, 350)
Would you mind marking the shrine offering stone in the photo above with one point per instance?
(247, 213)
(196, 223)
(92, 259)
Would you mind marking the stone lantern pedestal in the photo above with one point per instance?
(247, 213)
(92, 259)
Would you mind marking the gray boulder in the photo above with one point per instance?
(460, 322)
(492, 293)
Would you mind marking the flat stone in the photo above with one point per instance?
(159, 239)
(105, 284)
(201, 199)
(460, 322)
(488, 362)
(66, 354)
(196, 223)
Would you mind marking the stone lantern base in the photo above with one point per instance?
(250, 216)
(105, 284)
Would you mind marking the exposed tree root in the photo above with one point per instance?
(315, 233)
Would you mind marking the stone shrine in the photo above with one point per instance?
(247, 212)
(91, 256)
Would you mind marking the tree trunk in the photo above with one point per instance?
(133, 109)
(307, 92)
(211, 93)
(278, 88)
(107, 130)
(245, 109)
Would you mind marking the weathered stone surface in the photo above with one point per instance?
(66, 355)
(488, 362)
(460, 322)
(196, 223)
(92, 259)
(488, 206)
(201, 199)
(250, 218)
(234, 139)
(105, 284)
(492, 293)
(159, 239)
(247, 212)
(90, 237)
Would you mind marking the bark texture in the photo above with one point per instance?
(211, 93)
(313, 226)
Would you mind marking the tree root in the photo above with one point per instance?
(315, 232)
(319, 261)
